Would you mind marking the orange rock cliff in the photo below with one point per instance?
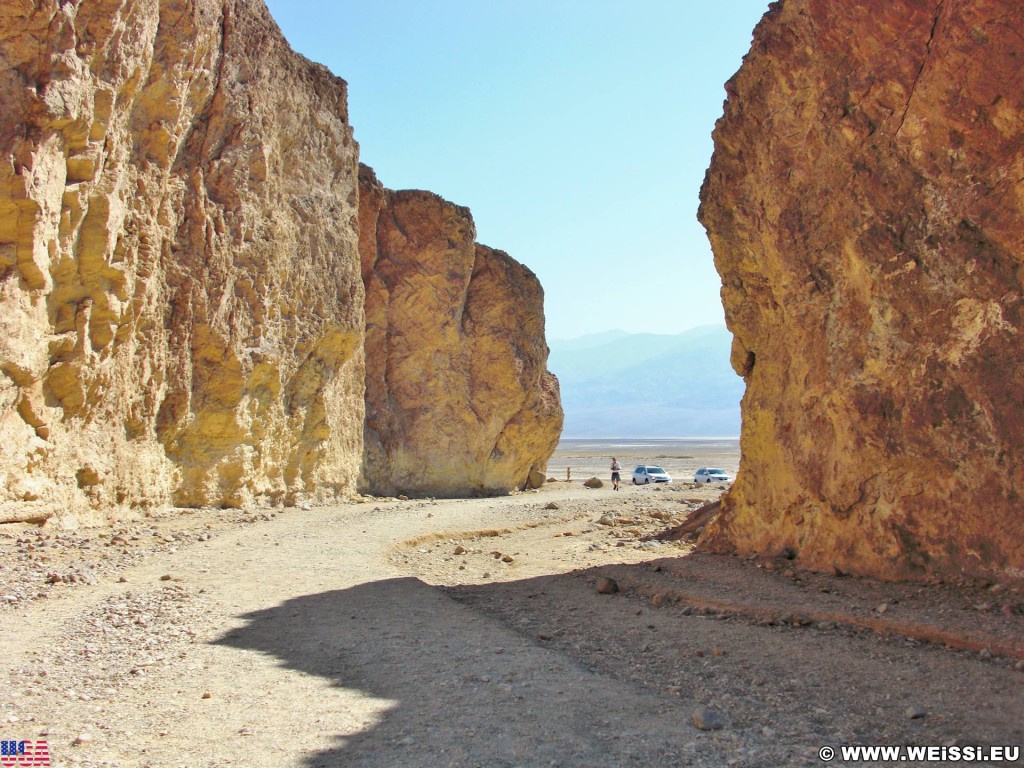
(182, 309)
(866, 212)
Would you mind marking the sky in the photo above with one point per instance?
(576, 131)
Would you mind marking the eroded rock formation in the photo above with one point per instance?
(181, 306)
(458, 398)
(866, 212)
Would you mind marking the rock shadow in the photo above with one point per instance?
(467, 690)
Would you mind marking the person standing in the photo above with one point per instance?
(616, 468)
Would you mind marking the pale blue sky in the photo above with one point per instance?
(577, 132)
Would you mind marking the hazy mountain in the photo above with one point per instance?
(617, 384)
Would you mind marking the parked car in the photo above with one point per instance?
(645, 474)
(710, 475)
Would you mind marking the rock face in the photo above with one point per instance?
(458, 399)
(865, 209)
(181, 305)
(182, 308)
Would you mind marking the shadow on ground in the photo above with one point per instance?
(469, 691)
(546, 672)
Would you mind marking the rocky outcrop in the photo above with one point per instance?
(181, 312)
(181, 305)
(866, 214)
(458, 400)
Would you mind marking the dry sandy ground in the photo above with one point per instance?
(470, 633)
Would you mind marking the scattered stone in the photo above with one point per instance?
(507, 558)
(593, 483)
(459, 550)
(551, 505)
(607, 518)
(207, 695)
(915, 713)
(166, 577)
(707, 719)
(606, 586)
(82, 738)
(882, 608)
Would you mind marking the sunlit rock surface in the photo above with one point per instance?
(458, 398)
(866, 212)
(180, 302)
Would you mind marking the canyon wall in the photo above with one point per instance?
(181, 304)
(866, 212)
(458, 398)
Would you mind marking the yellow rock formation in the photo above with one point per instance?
(182, 319)
(181, 305)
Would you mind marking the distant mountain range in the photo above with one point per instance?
(618, 384)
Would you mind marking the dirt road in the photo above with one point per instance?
(470, 633)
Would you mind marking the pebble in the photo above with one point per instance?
(82, 738)
(707, 719)
(606, 586)
(459, 550)
(551, 505)
(915, 713)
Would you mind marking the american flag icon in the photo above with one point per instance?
(23, 754)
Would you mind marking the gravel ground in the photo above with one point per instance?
(540, 629)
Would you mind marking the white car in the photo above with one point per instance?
(710, 475)
(645, 474)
